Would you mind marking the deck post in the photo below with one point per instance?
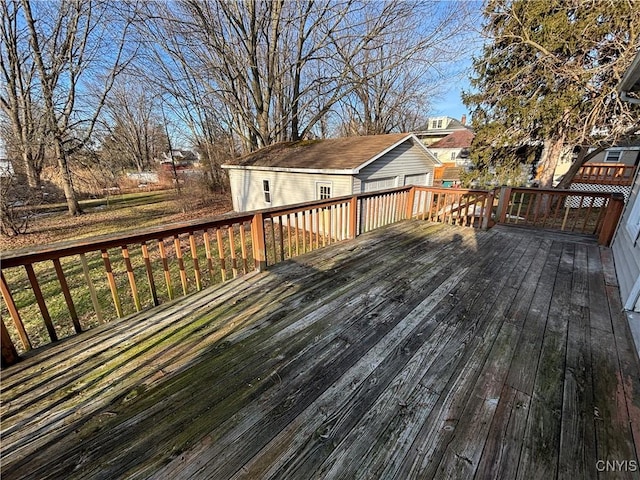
(9, 354)
(487, 210)
(503, 204)
(611, 218)
(259, 246)
(411, 198)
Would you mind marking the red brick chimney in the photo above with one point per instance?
(463, 120)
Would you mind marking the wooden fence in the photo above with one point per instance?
(63, 289)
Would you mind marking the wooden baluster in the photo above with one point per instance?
(554, 219)
(112, 283)
(281, 238)
(548, 210)
(586, 218)
(132, 279)
(149, 270)
(426, 196)
(317, 215)
(194, 257)
(67, 295)
(243, 249)
(304, 232)
(232, 249)
(274, 247)
(289, 243)
(329, 215)
(339, 231)
(92, 290)
(183, 273)
(165, 268)
(219, 241)
(35, 286)
(207, 249)
(567, 207)
(519, 206)
(13, 312)
(8, 352)
(578, 213)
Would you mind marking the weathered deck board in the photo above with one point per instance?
(415, 351)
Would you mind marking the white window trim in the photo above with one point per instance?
(617, 159)
(325, 183)
(267, 191)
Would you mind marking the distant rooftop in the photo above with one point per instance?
(457, 139)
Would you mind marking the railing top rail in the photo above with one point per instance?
(564, 192)
(608, 164)
(104, 242)
(452, 189)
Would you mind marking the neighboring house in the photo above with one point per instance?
(454, 148)
(626, 242)
(627, 153)
(296, 172)
(438, 128)
(181, 158)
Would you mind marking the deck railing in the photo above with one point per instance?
(591, 213)
(63, 289)
(605, 174)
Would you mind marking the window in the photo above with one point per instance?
(613, 156)
(453, 155)
(267, 191)
(323, 190)
(439, 123)
(433, 124)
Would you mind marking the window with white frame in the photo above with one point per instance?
(453, 156)
(266, 188)
(613, 156)
(323, 190)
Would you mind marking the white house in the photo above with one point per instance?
(626, 242)
(297, 172)
(454, 148)
(438, 128)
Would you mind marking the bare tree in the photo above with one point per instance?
(134, 126)
(278, 70)
(20, 102)
(73, 42)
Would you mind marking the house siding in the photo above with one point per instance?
(629, 155)
(626, 251)
(405, 159)
(286, 188)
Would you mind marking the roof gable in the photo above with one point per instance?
(457, 139)
(347, 155)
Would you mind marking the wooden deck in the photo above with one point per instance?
(415, 351)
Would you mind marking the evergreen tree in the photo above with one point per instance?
(548, 77)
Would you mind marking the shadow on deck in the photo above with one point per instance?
(415, 351)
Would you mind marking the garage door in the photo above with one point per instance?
(418, 179)
(378, 184)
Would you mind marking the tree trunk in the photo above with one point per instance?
(550, 156)
(67, 185)
(33, 173)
